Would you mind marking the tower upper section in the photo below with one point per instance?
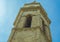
(33, 8)
(36, 6)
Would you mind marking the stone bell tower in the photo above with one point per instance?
(31, 25)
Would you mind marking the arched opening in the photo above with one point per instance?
(28, 21)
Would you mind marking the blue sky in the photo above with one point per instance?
(10, 8)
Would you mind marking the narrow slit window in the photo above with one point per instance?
(28, 21)
(43, 26)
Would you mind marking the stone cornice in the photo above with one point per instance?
(26, 28)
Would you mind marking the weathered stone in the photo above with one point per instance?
(36, 29)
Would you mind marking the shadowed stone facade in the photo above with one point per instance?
(31, 25)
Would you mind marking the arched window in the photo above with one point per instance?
(28, 21)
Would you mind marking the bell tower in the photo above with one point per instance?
(31, 25)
